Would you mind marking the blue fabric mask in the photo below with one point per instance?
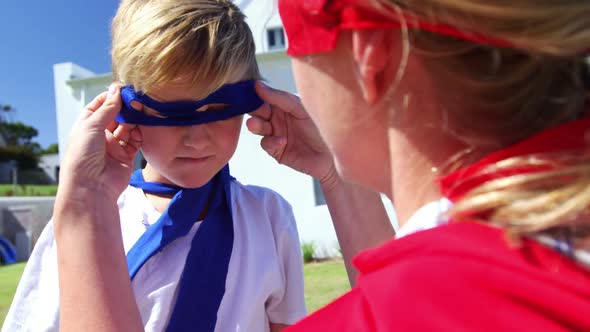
(240, 98)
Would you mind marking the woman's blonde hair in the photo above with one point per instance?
(203, 42)
(512, 93)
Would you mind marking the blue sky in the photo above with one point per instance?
(35, 35)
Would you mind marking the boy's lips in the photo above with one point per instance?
(194, 159)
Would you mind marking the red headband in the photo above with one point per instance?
(312, 26)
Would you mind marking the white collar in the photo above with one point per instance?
(428, 216)
(433, 214)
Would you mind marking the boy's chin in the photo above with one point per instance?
(192, 182)
(193, 179)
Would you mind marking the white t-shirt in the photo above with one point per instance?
(264, 281)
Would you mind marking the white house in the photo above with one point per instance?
(76, 86)
(49, 163)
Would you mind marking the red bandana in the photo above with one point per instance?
(567, 137)
(312, 26)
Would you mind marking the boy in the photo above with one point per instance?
(205, 253)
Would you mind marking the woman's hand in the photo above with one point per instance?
(293, 139)
(289, 135)
(100, 152)
(91, 261)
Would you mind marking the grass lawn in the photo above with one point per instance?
(9, 277)
(28, 190)
(324, 282)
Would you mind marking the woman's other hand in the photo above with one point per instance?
(289, 135)
(100, 152)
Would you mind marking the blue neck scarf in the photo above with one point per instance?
(240, 98)
(202, 284)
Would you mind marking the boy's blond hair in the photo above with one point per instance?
(202, 42)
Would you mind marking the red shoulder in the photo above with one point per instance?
(469, 276)
(349, 313)
(460, 277)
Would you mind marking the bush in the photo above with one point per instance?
(24, 156)
(308, 249)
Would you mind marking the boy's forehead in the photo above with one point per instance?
(184, 88)
(180, 90)
(176, 92)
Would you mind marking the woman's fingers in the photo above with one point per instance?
(122, 152)
(135, 137)
(97, 102)
(263, 112)
(127, 137)
(281, 99)
(112, 126)
(274, 146)
(105, 115)
(259, 126)
(123, 131)
(102, 111)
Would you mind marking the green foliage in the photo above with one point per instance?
(18, 133)
(52, 149)
(4, 111)
(25, 156)
(308, 249)
(20, 146)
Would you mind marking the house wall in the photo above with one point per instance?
(22, 219)
(50, 165)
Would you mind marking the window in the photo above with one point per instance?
(318, 193)
(275, 38)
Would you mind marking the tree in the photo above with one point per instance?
(20, 145)
(5, 110)
(18, 133)
(51, 149)
(25, 156)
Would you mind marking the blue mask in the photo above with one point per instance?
(240, 98)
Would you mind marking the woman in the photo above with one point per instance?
(478, 106)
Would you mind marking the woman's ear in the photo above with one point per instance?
(372, 50)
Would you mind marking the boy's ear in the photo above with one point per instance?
(372, 50)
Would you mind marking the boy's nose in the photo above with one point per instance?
(196, 136)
